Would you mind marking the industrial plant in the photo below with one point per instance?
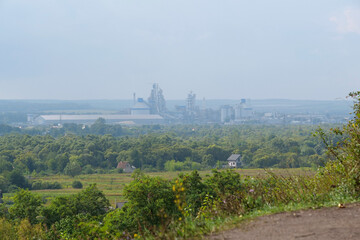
(155, 110)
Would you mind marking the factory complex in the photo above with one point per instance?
(154, 111)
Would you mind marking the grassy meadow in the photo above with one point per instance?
(113, 184)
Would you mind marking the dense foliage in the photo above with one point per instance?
(156, 148)
(345, 153)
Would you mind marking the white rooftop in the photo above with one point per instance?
(60, 117)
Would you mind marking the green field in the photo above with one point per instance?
(113, 184)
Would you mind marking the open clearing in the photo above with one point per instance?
(320, 224)
(113, 184)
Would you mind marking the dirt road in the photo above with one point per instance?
(320, 224)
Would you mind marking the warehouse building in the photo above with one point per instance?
(90, 119)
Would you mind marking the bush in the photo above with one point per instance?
(16, 177)
(195, 191)
(345, 150)
(88, 169)
(150, 203)
(77, 184)
(89, 202)
(45, 185)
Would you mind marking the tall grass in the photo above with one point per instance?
(259, 195)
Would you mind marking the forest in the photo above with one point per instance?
(154, 148)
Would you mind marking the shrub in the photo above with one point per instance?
(45, 185)
(88, 169)
(195, 191)
(90, 202)
(17, 178)
(150, 204)
(7, 230)
(77, 184)
(346, 151)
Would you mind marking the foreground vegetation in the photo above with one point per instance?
(187, 206)
(190, 205)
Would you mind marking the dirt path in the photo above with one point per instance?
(321, 224)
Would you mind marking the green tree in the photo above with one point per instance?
(208, 160)
(150, 203)
(73, 168)
(88, 202)
(26, 206)
(17, 178)
(99, 127)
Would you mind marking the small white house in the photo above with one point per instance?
(234, 161)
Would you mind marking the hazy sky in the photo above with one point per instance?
(228, 49)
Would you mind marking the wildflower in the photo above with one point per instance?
(251, 190)
(173, 188)
(180, 218)
(182, 189)
(135, 235)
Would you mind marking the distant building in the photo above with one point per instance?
(126, 167)
(226, 112)
(140, 108)
(90, 119)
(234, 161)
(243, 110)
(156, 100)
(190, 103)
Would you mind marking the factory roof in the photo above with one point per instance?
(140, 105)
(60, 117)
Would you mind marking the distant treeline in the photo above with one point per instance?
(9, 117)
(98, 128)
(158, 148)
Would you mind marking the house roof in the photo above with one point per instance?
(233, 157)
(122, 165)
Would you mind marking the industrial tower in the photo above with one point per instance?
(156, 100)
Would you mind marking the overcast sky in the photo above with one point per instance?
(224, 49)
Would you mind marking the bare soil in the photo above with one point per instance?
(320, 224)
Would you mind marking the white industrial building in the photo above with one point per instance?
(90, 119)
(140, 108)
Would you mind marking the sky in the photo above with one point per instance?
(223, 49)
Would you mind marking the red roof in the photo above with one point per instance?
(123, 165)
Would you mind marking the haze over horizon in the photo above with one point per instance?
(283, 49)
